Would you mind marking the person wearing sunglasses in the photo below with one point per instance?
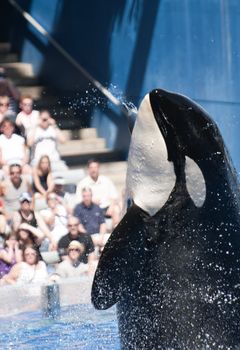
(45, 136)
(71, 266)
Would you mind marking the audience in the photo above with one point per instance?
(71, 233)
(30, 270)
(104, 192)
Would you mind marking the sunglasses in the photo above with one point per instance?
(74, 250)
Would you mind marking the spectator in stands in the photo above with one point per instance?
(26, 215)
(76, 233)
(55, 216)
(28, 118)
(42, 177)
(29, 235)
(12, 188)
(71, 266)
(45, 137)
(12, 148)
(7, 88)
(5, 112)
(9, 255)
(30, 270)
(64, 197)
(104, 192)
(91, 217)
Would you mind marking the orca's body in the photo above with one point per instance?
(172, 265)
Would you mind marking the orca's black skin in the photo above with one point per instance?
(175, 276)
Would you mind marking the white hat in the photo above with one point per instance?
(25, 196)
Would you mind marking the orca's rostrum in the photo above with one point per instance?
(172, 264)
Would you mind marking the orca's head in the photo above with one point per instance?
(186, 127)
(173, 141)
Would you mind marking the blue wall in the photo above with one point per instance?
(188, 46)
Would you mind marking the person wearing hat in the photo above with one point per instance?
(25, 215)
(71, 266)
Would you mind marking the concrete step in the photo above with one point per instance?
(15, 70)
(5, 48)
(77, 147)
(35, 91)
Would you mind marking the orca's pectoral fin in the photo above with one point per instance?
(118, 262)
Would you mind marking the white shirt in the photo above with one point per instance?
(103, 190)
(13, 148)
(28, 121)
(45, 142)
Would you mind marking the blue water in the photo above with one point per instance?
(78, 327)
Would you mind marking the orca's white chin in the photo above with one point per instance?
(150, 176)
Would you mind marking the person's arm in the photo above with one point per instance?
(59, 134)
(25, 154)
(7, 255)
(31, 137)
(37, 182)
(44, 228)
(16, 220)
(13, 275)
(35, 231)
(50, 183)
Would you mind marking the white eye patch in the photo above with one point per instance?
(150, 176)
(195, 182)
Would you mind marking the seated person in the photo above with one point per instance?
(75, 233)
(12, 188)
(91, 217)
(5, 111)
(28, 118)
(12, 148)
(42, 177)
(29, 235)
(104, 192)
(9, 255)
(26, 215)
(30, 270)
(45, 137)
(71, 266)
(55, 216)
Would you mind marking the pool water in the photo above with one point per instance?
(77, 327)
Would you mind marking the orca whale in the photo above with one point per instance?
(172, 265)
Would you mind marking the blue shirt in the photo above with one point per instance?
(91, 217)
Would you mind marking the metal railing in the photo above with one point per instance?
(70, 59)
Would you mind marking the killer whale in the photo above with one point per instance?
(172, 265)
